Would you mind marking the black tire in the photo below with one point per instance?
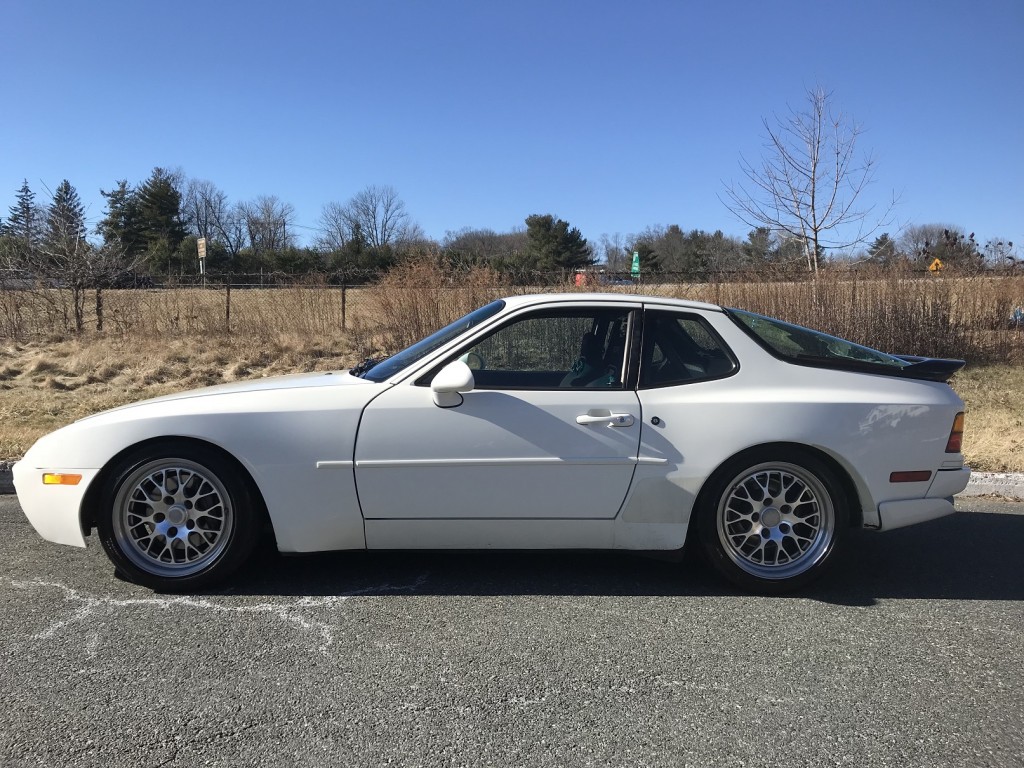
(772, 520)
(177, 517)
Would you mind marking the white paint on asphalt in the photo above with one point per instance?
(82, 607)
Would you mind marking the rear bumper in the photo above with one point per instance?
(949, 482)
(938, 501)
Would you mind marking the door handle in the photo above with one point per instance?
(611, 419)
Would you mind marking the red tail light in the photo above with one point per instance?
(956, 435)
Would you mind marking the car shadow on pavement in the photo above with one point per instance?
(967, 556)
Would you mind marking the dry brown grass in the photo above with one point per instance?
(965, 318)
(949, 316)
(994, 434)
(416, 298)
(160, 341)
(45, 385)
(309, 308)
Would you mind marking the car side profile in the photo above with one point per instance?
(554, 421)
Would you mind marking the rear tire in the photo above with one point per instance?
(177, 517)
(772, 521)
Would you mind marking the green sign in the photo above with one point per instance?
(634, 271)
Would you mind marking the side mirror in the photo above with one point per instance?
(454, 378)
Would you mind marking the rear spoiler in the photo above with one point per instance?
(929, 368)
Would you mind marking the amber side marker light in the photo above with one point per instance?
(57, 478)
(956, 435)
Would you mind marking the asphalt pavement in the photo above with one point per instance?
(908, 653)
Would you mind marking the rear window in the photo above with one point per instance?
(802, 345)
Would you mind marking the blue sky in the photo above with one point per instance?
(611, 115)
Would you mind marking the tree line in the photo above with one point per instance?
(151, 229)
(803, 202)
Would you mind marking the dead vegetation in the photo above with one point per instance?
(994, 435)
(159, 341)
(45, 385)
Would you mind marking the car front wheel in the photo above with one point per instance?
(771, 523)
(176, 519)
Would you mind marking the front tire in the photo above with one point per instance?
(772, 521)
(177, 518)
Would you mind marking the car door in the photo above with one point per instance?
(549, 431)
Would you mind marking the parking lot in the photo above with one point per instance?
(908, 653)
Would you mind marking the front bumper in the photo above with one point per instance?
(53, 510)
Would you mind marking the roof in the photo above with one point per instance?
(610, 298)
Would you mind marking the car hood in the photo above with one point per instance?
(267, 384)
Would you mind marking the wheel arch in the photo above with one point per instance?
(855, 502)
(94, 493)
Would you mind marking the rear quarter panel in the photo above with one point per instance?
(871, 425)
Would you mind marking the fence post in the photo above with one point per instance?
(344, 292)
(227, 305)
(99, 309)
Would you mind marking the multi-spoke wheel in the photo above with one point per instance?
(176, 519)
(771, 524)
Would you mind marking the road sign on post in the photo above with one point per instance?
(201, 247)
(634, 271)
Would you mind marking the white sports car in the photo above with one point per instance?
(594, 421)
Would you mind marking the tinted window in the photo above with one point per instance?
(680, 348)
(807, 346)
(561, 349)
(392, 365)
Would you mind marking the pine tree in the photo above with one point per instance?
(65, 221)
(120, 228)
(24, 225)
(159, 208)
(67, 255)
(882, 250)
(552, 244)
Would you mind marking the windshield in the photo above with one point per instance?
(392, 365)
(799, 344)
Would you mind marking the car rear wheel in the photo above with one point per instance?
(771, 523)
(177, 518)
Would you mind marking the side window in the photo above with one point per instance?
(680, 348)
(563, 349)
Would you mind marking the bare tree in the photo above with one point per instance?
(917, 239)
(380, 213)
(231, 231)
(208, 214)
(614, 252)
(382, 217)
(948, 243)
(476, 245)
(374, 219)
(809, 183)
(202, 207)
(999, 252)
(335, 227)
(267, 224)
